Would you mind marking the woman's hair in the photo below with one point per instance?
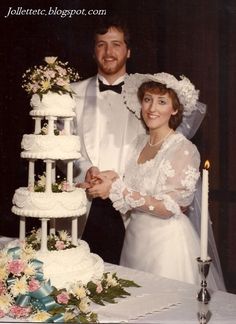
(160, 88)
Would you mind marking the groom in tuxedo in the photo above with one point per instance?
(106, 129)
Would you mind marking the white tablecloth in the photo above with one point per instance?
(160, 301)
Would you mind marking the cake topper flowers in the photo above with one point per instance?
(54, 76)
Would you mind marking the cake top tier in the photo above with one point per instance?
(49, 85)
(53, 104)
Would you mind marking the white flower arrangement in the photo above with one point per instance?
(55, 242)
(25, 294)
(54, 76)
(184, 89)
(58, 186)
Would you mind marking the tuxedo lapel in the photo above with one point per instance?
(91, 122)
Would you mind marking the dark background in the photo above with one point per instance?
(195, 38)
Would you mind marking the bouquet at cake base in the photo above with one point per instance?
(26, 293)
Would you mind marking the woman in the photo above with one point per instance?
(160, 179)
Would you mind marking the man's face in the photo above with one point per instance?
(111, 53)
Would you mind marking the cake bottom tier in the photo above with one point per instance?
(67, 266)
(49, 205)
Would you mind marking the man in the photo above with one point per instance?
(106, 129)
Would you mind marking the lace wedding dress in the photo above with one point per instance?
(164, 246)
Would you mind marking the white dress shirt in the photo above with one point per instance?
(113, 118)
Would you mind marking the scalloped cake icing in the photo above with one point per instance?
(50, 205)
(50, 146)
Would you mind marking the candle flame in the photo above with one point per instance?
(207, 165)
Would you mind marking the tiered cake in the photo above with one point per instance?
(70, 264)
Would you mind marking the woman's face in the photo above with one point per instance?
(157, 110)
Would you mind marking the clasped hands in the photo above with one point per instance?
(98, 184)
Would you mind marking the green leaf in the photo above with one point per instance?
(127, 283)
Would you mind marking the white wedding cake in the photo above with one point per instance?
(51, 145)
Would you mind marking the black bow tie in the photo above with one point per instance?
(116, 88)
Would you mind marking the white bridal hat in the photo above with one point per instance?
(184, 89)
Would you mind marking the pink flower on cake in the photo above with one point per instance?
(34, 285)
(17, 311)
(61, 82)
(2, 314)
(16, 266)
(60, 245)
(2, 288)
(65, 186)
(63, 298)
(99, 288)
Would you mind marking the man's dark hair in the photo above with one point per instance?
(113, 21)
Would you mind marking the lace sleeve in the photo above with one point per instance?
(125, 199)
(180, 176)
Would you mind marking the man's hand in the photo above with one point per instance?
(101, 188)
(90, 178)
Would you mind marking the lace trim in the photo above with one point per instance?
(134, 203)
(121, 202)
(116, 196)
(189, 182)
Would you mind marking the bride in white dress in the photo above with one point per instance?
(160, 180)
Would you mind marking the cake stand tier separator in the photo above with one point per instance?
(22, 228)
(74, 230)
(44, 247)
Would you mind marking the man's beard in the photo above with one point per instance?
(112, 69)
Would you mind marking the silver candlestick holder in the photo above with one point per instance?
(203, 295)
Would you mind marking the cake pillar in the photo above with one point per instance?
(44, 247)
(37, 125)
(70, 172)
(74, 231)
(67, 126)
(51, 125)
(22, 228)
(48, 176)
(53, 172)
(31, 173)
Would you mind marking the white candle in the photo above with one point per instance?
(204, 212)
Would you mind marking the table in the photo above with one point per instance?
(160, 300)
